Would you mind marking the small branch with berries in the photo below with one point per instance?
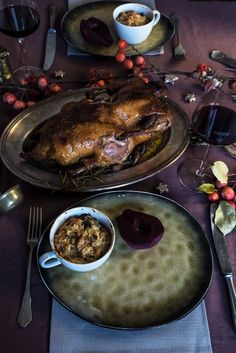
(32, 89)
(137, 64)
(29, 90)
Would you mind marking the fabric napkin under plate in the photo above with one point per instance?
(70, 334)
(74, 3)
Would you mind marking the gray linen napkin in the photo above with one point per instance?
(70, 334)
(74, 3)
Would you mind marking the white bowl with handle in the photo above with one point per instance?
(52, 258)
(135, 34)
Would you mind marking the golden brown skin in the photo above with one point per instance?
(102, 134)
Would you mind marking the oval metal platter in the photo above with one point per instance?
(137, 289)
(70, 29)
(16, 133)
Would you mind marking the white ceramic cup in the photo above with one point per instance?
(135, 34)
(52, 258)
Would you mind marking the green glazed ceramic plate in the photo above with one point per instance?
(70, 28)
(137, 289)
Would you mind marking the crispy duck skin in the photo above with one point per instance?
(101, 134)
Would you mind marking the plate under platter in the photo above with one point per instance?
(17, 132)
(70, 28)
(137, 289)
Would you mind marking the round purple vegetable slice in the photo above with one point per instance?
(139, 230)
(96, 32)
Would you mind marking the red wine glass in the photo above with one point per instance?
(19, 19)
(214, 121)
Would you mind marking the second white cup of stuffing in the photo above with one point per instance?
(134, 22)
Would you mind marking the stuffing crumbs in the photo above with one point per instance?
(82, 239)
(132, 18)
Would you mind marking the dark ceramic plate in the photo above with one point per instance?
(138, 288)
(70, 28)
(17, 132)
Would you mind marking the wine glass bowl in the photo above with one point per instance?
(213, 121)
(19, 19)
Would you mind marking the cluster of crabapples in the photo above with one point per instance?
(223, 192)
(135, 64)
(99, 78)
(31, 90)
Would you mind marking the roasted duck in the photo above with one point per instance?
(101, 134)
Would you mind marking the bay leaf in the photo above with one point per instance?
(225, 217)
(220, 171)
(207, 188)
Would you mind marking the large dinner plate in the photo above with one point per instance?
(70, 28)
(137, 288)
(16, 133)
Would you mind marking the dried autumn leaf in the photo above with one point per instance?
(225, 217)
(220, 171)
(207, 188)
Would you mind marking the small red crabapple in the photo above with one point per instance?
(213, 197)
(42, 83)
(202, 67)
(139, 60)
(122, 44)
(24, 81)
(227, 193)
(55, 88)
(101, 83)
(120, 57)
(30, 103)
(128, 64)
(19, 104)
(9, 97)
(219, 184)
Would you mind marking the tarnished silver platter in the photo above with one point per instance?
(22, 125)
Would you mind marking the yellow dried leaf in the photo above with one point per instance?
(225, 217)
(220, 171)
(207, 188)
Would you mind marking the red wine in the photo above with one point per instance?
(215, 124)
(19, 21)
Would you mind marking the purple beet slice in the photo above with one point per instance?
(96, 32)
(139, 230)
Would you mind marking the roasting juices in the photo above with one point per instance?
(215, 124)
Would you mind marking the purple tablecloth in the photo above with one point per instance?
(205, 25)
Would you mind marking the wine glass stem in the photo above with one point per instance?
(200, 171)
(23, 55)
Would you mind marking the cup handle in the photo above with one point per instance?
(49, 259)
(156, 17)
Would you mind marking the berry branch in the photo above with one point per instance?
(32, 89)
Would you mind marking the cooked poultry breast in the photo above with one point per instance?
(100, 134)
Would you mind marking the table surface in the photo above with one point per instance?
(204, 26)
